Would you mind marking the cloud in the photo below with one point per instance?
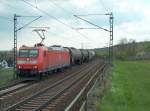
(131, 20)
(2, 8)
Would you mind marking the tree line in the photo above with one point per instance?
(127, 50)
(132, 50)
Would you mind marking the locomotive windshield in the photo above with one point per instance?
(28, 53)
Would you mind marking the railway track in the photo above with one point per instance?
(15, 86)
(42, 98)
(60, 103)
(19, 95)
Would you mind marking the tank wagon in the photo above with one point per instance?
(75, 55)
(91, 54)
(40, 59)
(85, 55)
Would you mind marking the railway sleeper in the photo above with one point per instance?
(42, 99)
(32, 103)
(37, 102)
(47, 110)
(28, 107)
(21, 110)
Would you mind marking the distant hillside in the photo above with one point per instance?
(137, 50)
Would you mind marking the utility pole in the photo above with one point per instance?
(110, 30)
(16, 29)
(111, 39)
(15, 43)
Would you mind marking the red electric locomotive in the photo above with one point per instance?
(40, 59)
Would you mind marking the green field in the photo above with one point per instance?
(6, 75)
(130, 88)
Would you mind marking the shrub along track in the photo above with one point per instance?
(20, 95)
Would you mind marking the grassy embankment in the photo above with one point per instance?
(130, 88)
(6, 75)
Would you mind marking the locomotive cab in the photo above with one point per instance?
(27, 61)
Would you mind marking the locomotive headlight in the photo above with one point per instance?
(19, 67)
(35, 67)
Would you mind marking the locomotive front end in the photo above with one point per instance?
(27, 61)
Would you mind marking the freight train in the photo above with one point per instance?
(39, 60)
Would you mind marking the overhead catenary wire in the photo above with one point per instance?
(29, 22)
(96, 14)
(44, 12)
(53, 17)
(92, 23)
(71, 14)
(58, 6)
(11, 6)
(47, 14)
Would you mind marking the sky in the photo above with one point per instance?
(131, 21)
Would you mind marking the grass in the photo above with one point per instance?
(6, 75)
(130, 90)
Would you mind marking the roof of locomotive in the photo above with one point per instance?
(57, 47)
(33, 47)
(39, 46)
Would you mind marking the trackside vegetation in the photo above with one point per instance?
(6, 75)
(130, 87)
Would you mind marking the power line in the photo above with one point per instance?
(58, 6)
(71, 14)
(7, 4)
(92, 23)
(11, 6)
(51, 16)
(95, 14)
(47, 14)
(29, 22)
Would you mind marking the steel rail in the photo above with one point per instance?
(64, 90)
(9, 89)
(83, 89)
(13, 107)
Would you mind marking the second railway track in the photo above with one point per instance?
(15, 86)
